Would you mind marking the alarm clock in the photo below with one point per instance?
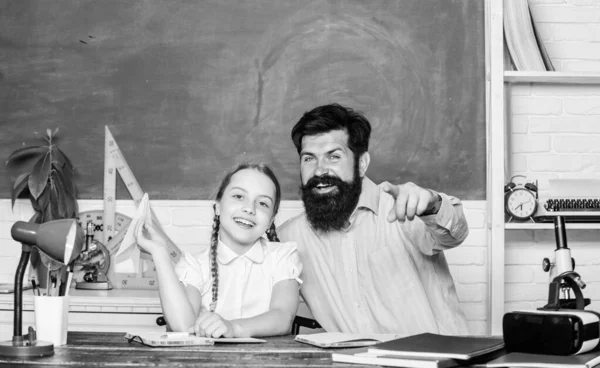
(520, 200)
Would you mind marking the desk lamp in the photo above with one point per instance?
(59, 240)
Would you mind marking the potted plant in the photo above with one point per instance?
(47, 179)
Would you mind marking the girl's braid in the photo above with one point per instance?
(213, 260)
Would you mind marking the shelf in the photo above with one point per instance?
(551, 77)
(550, 226)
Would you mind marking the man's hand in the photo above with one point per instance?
(411, 200)
(211, 324)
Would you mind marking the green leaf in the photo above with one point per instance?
(26, 153)
(64, 185)
(34, 204)
(58, 160)
(46, 214)
(35, 218)
(62, 159)
(70, 206)
(38, 180)
(43, 200)
(18, 187)
(73, 208)
(53, 203)
(68, 176)
(67, 203)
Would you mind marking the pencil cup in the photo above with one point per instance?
(51, 318)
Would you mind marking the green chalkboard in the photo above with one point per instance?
(189, 88)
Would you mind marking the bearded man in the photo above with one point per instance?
(372, 254)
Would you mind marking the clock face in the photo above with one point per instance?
(96, 217)
(521, 203)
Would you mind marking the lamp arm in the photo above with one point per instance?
(18, 301)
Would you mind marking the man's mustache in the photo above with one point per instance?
(313, 182)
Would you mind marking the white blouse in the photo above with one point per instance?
(245, 281)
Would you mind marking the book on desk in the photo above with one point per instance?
(426, 350)
(362, 356)
(344, 340)
(586, 360)
(430, 345)
(429, 350)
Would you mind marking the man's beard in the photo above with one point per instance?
(331, 211)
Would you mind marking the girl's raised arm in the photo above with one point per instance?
(180, 304)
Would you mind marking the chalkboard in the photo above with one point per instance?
(190, 88)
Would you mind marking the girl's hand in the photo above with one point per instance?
(149, 240)
(211, 324)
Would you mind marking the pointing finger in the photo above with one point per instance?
(391, 189)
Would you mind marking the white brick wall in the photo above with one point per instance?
(189, 223)
(571, 32)
(555, 133)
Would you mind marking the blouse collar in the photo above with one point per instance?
(255, 253)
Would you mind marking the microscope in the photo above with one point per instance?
(95, 262)
(562, 274)
(562, 326)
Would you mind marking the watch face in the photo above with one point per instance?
(521, 203)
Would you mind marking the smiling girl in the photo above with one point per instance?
(244, 284)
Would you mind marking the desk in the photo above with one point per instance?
(107, 349)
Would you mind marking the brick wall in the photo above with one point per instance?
(555, 133)
(189, 223)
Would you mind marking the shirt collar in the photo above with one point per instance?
(255, 253)
(369, 195)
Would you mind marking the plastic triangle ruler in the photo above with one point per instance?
(114, 163)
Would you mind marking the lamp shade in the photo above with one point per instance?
(61, 240)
